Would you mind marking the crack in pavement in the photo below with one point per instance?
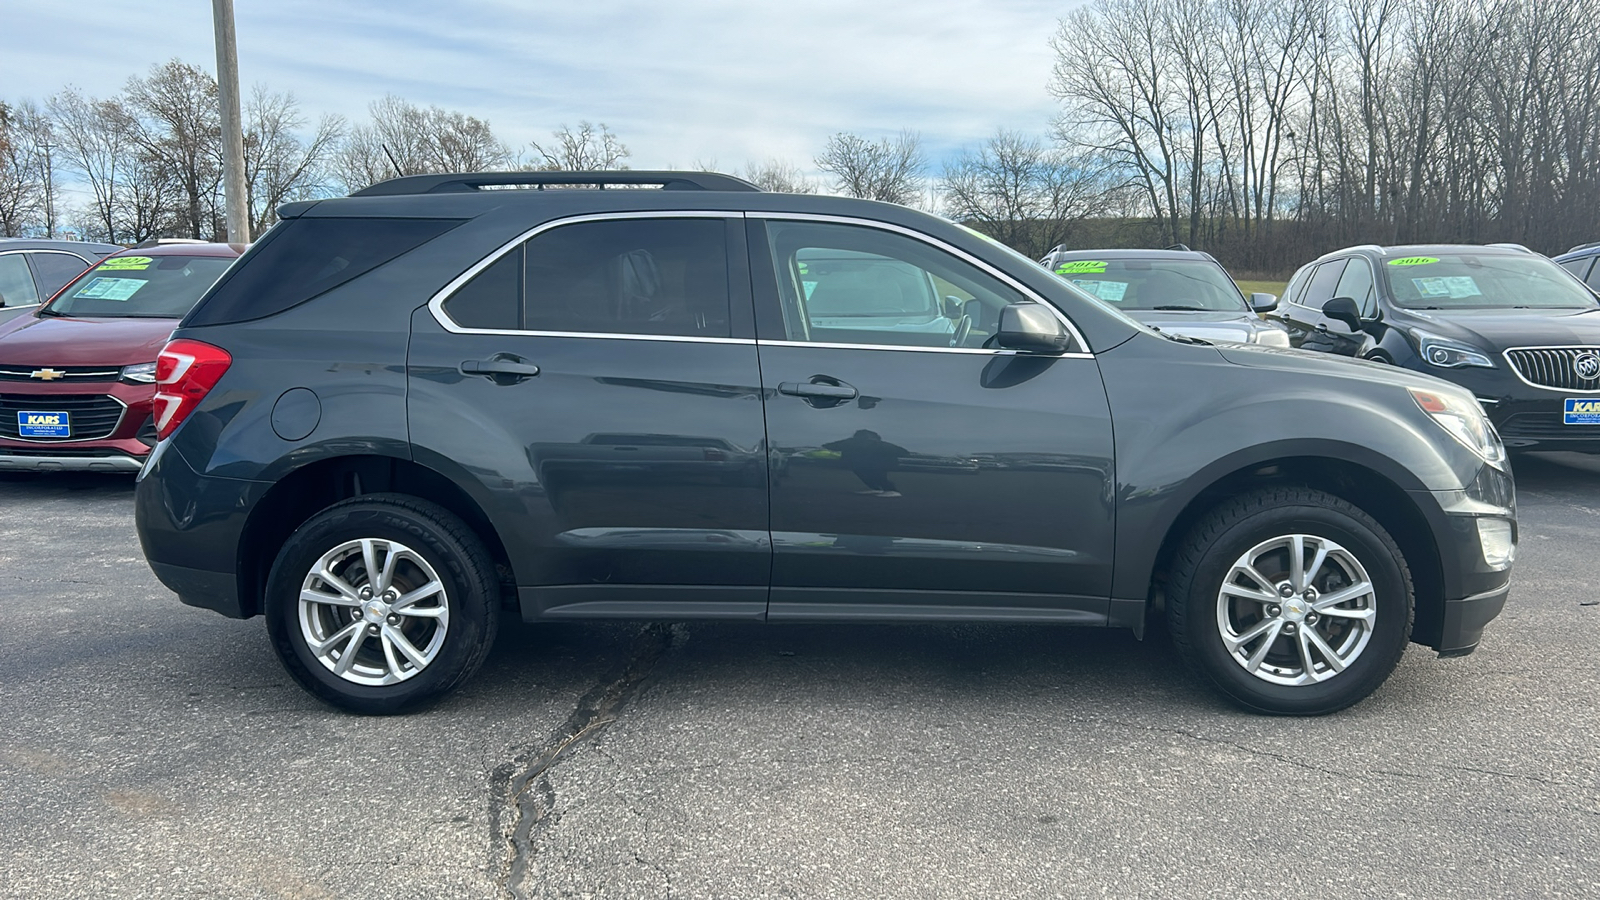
(521, 798)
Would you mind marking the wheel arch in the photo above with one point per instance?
(302, 493)
(1363, 478)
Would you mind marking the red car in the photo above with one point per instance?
(77, 377)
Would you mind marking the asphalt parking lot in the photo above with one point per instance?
(152, 750)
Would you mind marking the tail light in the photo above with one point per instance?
(185, 372)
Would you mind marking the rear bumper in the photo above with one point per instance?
(217, 591)
(189, 526)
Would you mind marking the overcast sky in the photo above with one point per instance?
(679, 82)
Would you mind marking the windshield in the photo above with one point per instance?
(1178, 285)
(140, 287)
(1468, 281)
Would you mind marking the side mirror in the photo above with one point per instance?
(952, 306)
(1031, 326)
(1263, 302)
(1343, 309)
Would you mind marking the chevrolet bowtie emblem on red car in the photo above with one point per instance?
(48, 374)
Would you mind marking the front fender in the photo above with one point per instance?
(1185, 417)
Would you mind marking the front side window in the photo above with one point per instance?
(629, 276)
(54, 270)
(16, 284)
(1323, 282)
(849, 284)
(1356, 283)
(1488, 281)
(140, 287)
(1166, 284)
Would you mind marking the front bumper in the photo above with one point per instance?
(1451, 615)
(47, 461)
(121, 448)
(1527, 417)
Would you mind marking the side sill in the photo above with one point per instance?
(836, 605)
(642, 601)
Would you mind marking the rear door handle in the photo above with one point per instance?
(499, 367)
(817, 389)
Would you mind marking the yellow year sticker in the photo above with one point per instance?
(127, 262)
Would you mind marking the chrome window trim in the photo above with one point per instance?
(940, 245)
(48, 250)
(1506, 354)
(437, 301)
(912, 348)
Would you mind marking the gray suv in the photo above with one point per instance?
(446, 399)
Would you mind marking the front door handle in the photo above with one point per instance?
(819, 390)
(502, 368)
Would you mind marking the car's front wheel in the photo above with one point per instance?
(381, 603)
(1292, 601)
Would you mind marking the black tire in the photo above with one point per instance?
(428, 536)
(1226, 535)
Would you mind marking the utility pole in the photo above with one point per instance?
(233, 189)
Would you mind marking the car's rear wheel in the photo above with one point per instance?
(1292, 601)
(382, 603)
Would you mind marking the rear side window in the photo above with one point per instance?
(629, 276)
(493, 298)
(302, 258)
(1320, 290)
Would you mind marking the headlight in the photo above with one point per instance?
(1465, 421)
(1271, 337)
(141, 373)
(1449, 354)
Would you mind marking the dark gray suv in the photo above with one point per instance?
(406, 413)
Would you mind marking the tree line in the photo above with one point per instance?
(1265, 131)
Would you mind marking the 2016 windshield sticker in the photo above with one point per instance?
(1413, 260)
(110, 288)
(1112, 291)
(1454, 287)
(127, 262)
(1085, 266)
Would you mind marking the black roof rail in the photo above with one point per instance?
(1587, 246)
(1506, 245)
(469, 182)
(1183, 247)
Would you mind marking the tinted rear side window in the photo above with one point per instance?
(302, 258)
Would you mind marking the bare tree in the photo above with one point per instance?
(890, 169)
(1023, 193)
(178, 127)
(279, 165)
(584, 150)
(402, 138)
(780, 176)
(25, 188)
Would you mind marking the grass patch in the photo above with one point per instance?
(1274, 288)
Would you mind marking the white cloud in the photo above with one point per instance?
(678, 82)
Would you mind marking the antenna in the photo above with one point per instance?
(397, 172)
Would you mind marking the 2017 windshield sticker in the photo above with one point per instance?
(1454, 287)
(1084, 266)
(127, 262)
(1413, 260)
(110, 288)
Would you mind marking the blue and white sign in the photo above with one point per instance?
(1581, 411)
(43, 424)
